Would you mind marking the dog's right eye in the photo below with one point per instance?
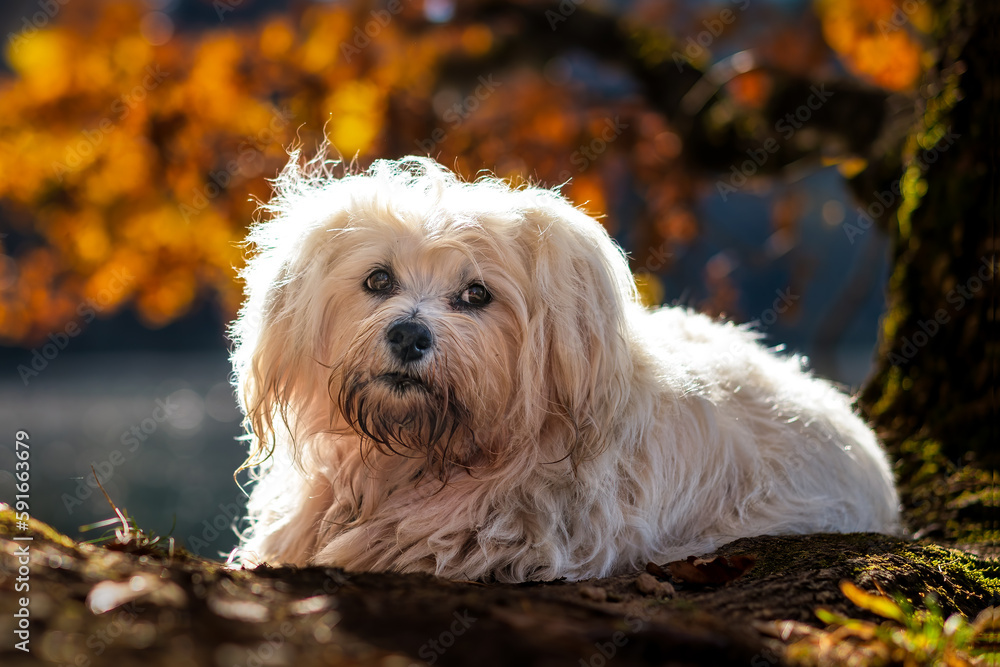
(379, 280)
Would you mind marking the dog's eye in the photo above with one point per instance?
(476, 294)
(379, 280)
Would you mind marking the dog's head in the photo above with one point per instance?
(468, 325)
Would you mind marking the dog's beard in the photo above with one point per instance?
(409, 414)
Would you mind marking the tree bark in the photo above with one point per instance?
(932, 396)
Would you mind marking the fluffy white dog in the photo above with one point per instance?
(457, 378)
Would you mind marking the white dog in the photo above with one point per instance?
(457, 378)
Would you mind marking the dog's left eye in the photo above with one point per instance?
(379, 280)
(476, 294)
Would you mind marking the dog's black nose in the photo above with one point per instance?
(409, 340)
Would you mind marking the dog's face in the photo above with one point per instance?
(458, 324)
(424, 324)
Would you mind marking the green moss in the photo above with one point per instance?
(890, 387)
(960, 581)
(8, 526)
(957, 500)
(823, 551)
(935, 123)
(959, 569)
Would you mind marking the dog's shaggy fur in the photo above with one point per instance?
(545, 425)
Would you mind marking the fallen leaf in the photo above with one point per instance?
(714, 571)
(656, 570)
(878, 604)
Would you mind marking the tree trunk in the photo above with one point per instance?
(932, 395)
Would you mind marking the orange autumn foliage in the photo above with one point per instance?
(119, 157)
(878, 39)
(125, 155)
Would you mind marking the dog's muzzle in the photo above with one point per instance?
(409, 340)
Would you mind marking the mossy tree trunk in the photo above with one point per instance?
(932, 395)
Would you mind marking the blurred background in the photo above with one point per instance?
(721, 140)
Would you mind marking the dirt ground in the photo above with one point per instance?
(130, 605)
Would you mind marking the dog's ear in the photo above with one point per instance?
(274, 356)
(264, 358)
(576, 354)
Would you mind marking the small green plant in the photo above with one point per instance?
(128, 536)
(908, 637)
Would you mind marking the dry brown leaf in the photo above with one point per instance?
(714, 571)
